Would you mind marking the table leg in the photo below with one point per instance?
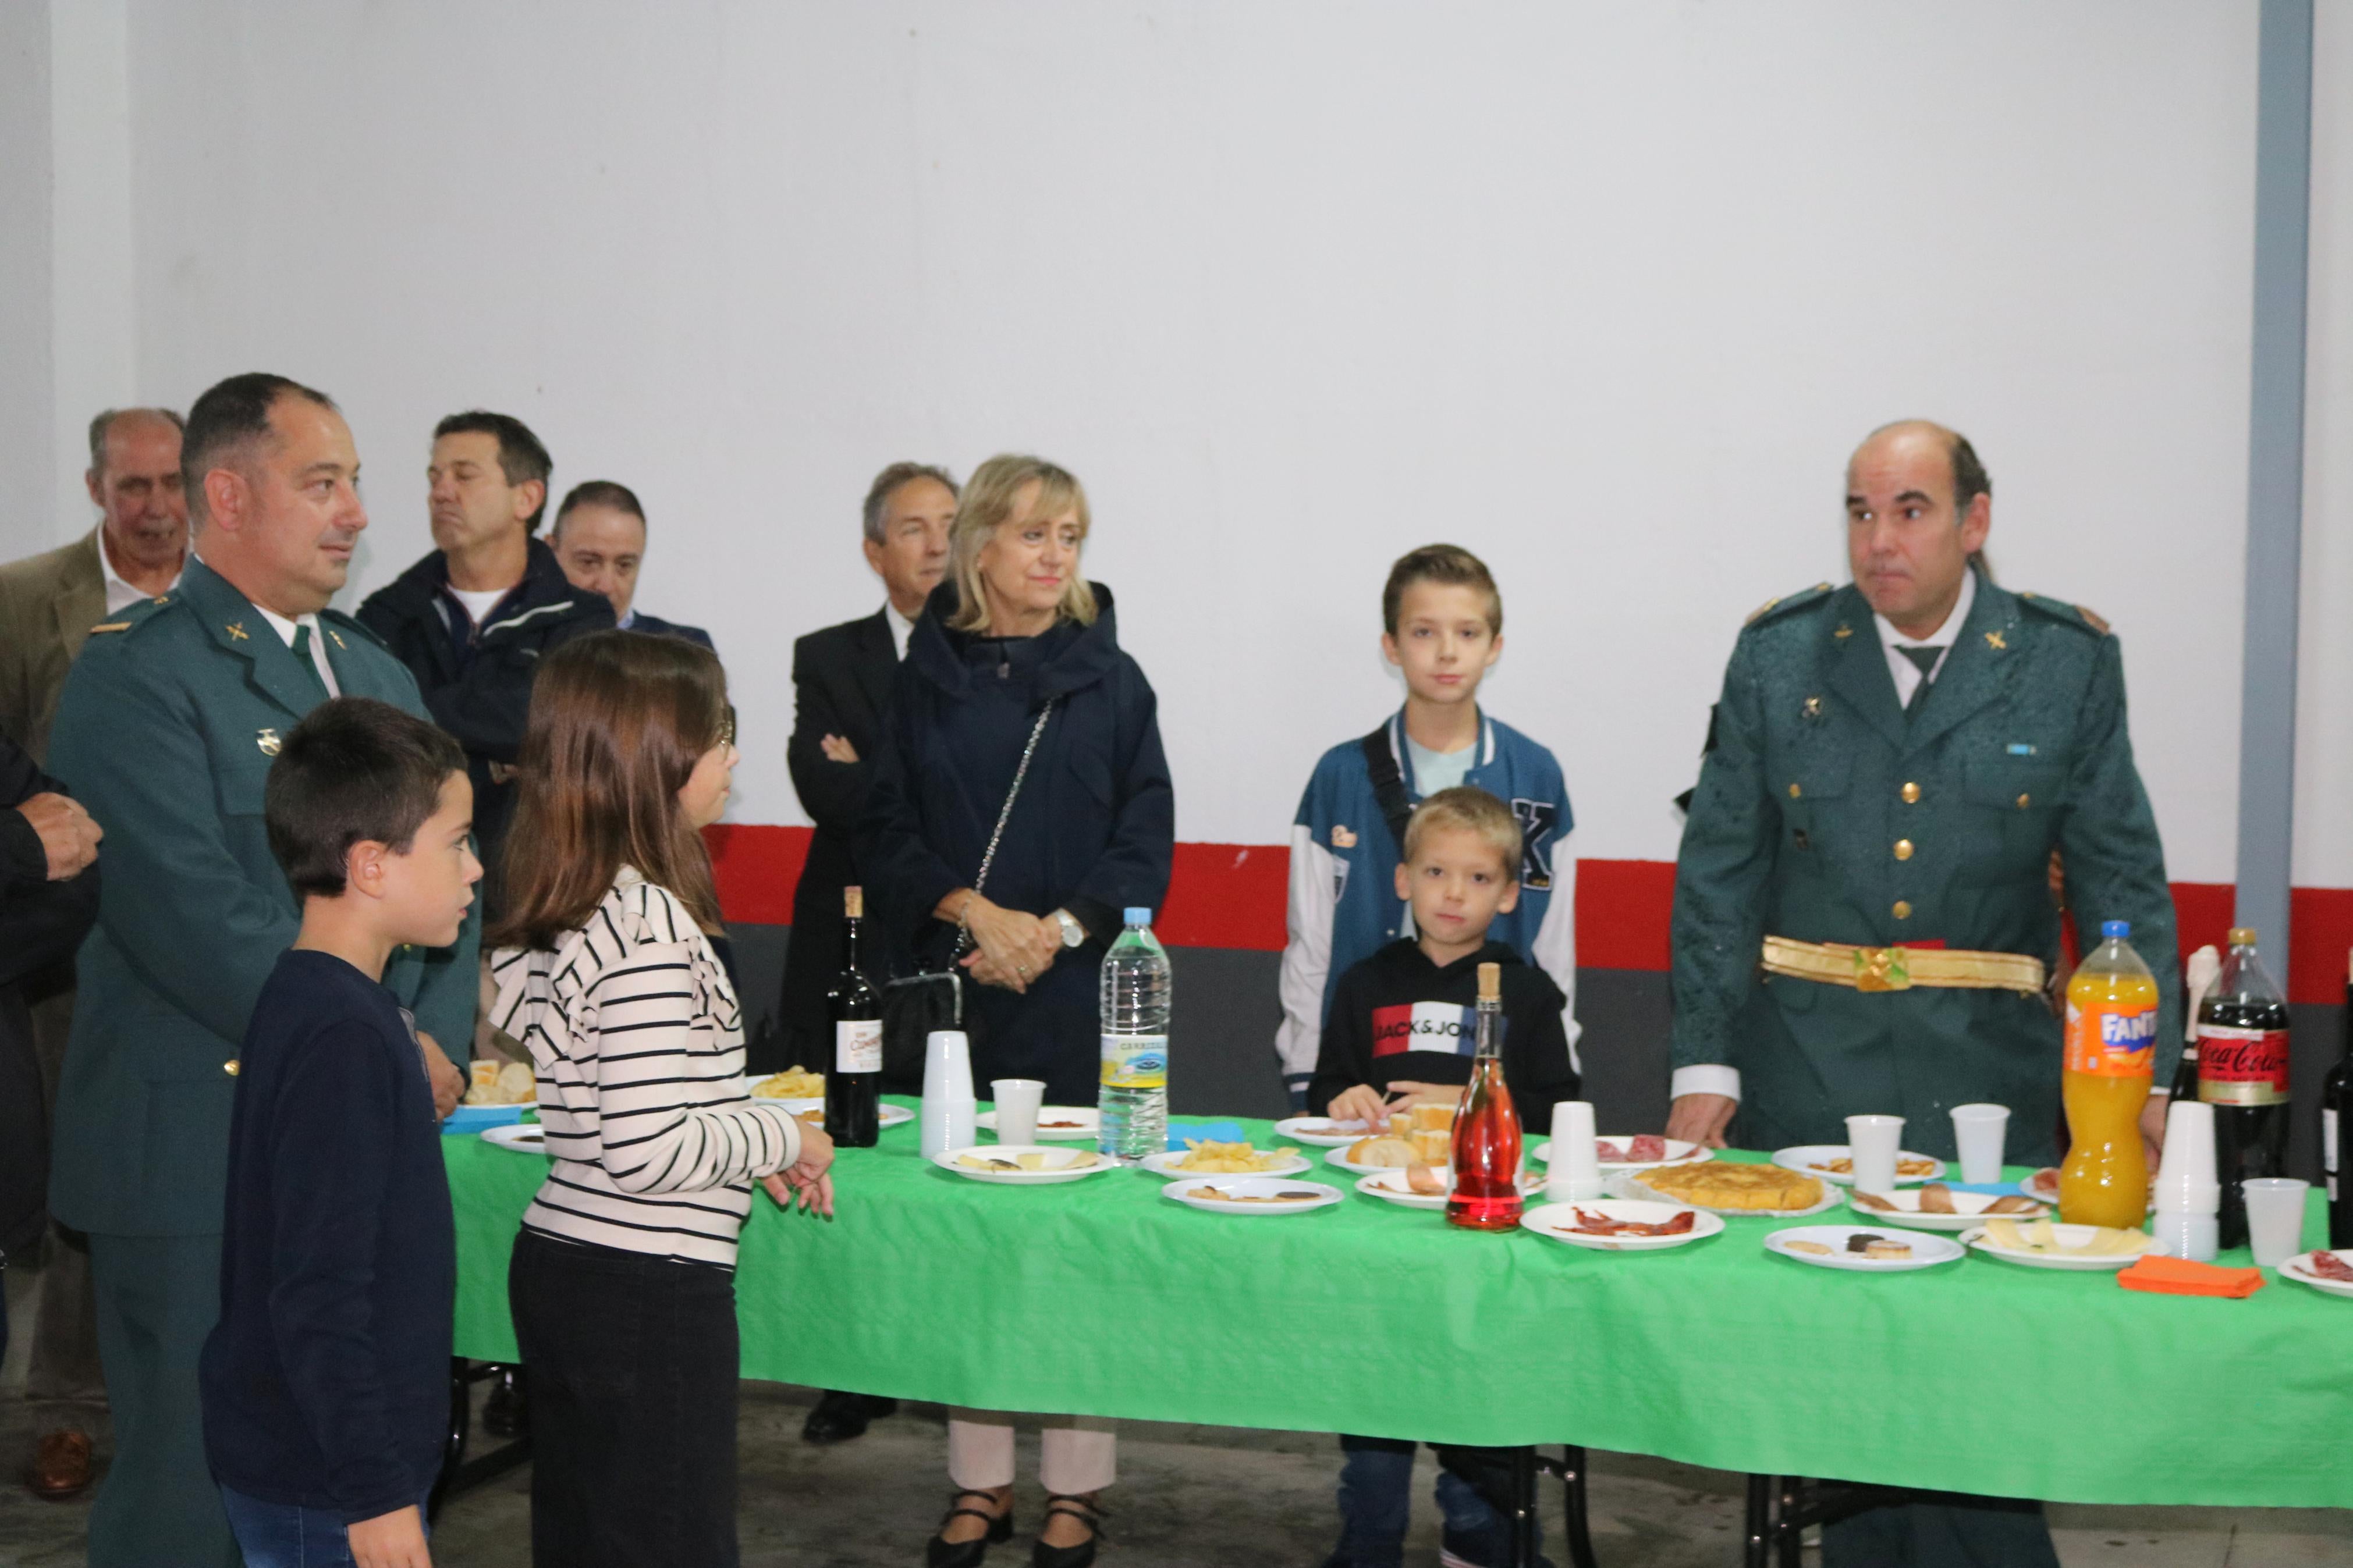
(457, 1472)
(1757, 1548)
(1524, 1508)
(1789, 1523)
(1571, 1470)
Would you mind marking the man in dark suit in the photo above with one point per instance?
(841, 682)
(599, 539)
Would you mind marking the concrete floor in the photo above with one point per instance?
(1197, 1495)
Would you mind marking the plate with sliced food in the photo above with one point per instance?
(1638, 1151)
(1394, 1151)
(1622, 1224)
(1216, 1159)
(1056, 1123)
(1321, 1131)
(529, 1138)
(1835, 1162)
(2046, 1244)
(1251, 1194)
(1860, 1248)
(813, 1112)
(1419, 1186)
(1722, 1186)
(2331, 1273)
(1936, 1206)
(1023, 1164)
(792, 1083)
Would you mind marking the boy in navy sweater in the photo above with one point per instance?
(326, 1381)
(1403, 1027)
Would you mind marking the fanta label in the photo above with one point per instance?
(1135, 1061)
(2112, 1041)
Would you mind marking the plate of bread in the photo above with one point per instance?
(1418, 1186)
(1937, 1206)
(1722, 1187)
(1216, 1159)
(1417, 1135)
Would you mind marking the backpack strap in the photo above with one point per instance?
(1389, 784)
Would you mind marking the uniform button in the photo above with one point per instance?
(1795, 792)
(1903, 910)
(2024, 800)
(1903, 850)
(229, 1066)
(1911, 794)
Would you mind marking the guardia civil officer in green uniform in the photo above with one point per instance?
(165, 732)
(1894, 763)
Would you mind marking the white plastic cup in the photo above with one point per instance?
(1979, 1134)
(1871, 1143)
(948, 1109)
(2196, 1238)
(2185, 1183)
(1573, 1175)
(1018, 1099)
(2274, 1218)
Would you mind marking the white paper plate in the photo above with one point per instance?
(1555, 1220)
(1187, 1193)
(2042, 1184)
(1804, 1157)
(2297, 1269)
(1164, 1165)
(2069, 1236)
(885, 1115)
(1927, 1251)
(1970, 1208)
(1678, 1153)
(522, 1138)
(1629, 1185)
(1340, 1157)
(1390, 1187)
(1088, 1163)
(1317, 1129)
(1089, 1119)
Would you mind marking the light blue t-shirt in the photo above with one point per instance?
(1435, 770)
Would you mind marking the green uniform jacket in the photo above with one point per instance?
(1824, 814)
(164, 733)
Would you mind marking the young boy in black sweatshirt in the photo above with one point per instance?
(1404, 1023)
(325, 1382)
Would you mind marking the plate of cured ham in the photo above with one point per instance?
(1620, 1224)
(2330, 1273)
(1638, 1151)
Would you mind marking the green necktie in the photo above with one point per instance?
(1925, 657)
(309, 665)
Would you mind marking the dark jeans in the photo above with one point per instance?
(1475, 1486)
(633, 1364)
(288, 1535)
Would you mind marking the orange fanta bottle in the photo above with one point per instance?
(2111, 1055)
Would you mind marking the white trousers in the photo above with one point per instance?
(1078, 1453)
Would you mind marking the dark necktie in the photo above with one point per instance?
(1925, 657)
(310, 667)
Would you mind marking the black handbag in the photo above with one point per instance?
(913, 1005)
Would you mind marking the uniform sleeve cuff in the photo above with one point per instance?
(1709, 1079)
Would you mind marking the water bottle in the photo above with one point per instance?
(1133, 1100)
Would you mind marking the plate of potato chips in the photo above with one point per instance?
(1216, 1159)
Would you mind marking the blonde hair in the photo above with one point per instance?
(993, 496)
(1470, 809)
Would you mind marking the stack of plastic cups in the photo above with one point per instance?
(948, 1107)
(1574, 1173)
(2188, 1194)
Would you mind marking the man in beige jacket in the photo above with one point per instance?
(47, 605)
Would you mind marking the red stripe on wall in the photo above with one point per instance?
(1233, 896)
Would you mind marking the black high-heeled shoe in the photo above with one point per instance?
(1082, 1509)
(942, 1553)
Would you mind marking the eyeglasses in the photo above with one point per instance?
(727, 726)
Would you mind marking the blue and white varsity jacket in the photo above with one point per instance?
(1343, 902)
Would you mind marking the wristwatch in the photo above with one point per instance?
(1074, 933)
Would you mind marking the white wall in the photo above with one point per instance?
(1605, 291)
(2324, 742)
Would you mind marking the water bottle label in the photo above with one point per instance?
(1135, 1061)
(2112, 1041)
(858, 1045)
(2242, 1067)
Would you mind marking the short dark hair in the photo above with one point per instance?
(231, 415)
(1970, 480)
(1441, 564)
(878, 494)
(598, 492)
(354, 771)
(105, 422)
(521, 458)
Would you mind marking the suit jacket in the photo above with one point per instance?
(654, 625)
(165, 732)
(841, 686)
(1825, 813)
(47, 605)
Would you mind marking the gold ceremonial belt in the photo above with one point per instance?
(1901, 968)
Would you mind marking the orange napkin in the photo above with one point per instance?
(2175, 1277)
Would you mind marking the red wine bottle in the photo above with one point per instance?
(2242, 1074)
(2336, 1122)
(853, 1088)
(1487, 1127)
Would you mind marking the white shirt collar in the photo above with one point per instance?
(120, 593)
(1906, 674)
(901, 628)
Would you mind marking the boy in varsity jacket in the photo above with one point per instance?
(1444, 620)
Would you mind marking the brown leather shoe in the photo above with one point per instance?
(61, 1465)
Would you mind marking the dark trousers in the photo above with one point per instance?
(634, 1366)
(1376, 1496)
(1942, 1530)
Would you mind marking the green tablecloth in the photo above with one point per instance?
(1101, 1298)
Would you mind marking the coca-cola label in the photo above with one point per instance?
(2242, 1067)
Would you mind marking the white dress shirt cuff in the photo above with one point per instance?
(1721, 1080)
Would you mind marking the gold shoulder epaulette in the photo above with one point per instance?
(1758, 612)
(1803, 595)
(2092, 620)
(109, 626)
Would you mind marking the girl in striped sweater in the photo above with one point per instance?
(622, 1281)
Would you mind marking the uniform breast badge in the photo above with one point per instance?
(268, 742)
(237, 631)
(1843, 632)
(1993, 640)
(1343, 837)
(1813, 706)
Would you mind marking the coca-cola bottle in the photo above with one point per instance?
(2242, 1074)
(1487, 1127)
(2335, 1122)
